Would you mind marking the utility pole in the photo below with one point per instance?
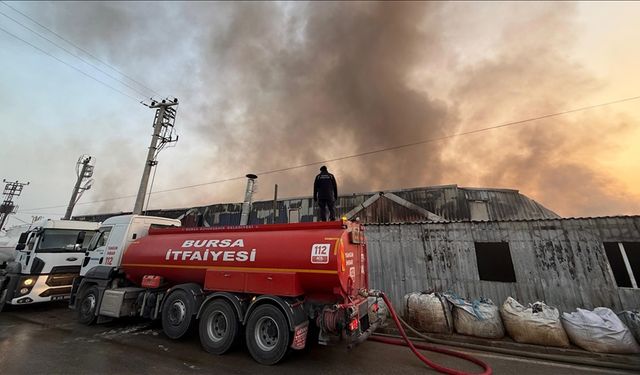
(248, 197)
(83, 170)
(11, 189)
(163, 134)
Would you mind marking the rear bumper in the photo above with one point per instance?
(363, 336)
(360, 310)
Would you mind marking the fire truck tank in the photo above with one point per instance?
(321, 260)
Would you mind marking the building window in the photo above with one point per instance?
(624, 258)
(494, 262)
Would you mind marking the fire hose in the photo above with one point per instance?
(414, 347)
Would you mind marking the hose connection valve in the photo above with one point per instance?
(370, 293)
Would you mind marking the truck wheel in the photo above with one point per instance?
(177, 314)
(219, 329)
(88, 305)
(268, 336)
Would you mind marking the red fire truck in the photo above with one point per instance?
(271, 283)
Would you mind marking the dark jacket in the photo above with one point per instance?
(325, 187)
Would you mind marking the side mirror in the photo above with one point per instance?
(80, 238)
(22, 241)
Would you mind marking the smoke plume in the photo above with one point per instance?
(265, 86)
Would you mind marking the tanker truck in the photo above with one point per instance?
(48, 255)
(268, 286)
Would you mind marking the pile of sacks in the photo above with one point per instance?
(444, 312)
(600, 330)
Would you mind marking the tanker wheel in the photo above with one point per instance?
(219, 327)
(87, 305)
(268, 336)
(177, 314)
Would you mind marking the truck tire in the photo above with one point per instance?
(268, 335)
(219, 327)
(177, 314)
(88, 305)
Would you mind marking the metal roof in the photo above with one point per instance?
(513, 220)
(433, 203)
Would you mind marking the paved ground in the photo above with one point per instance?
(45, 339)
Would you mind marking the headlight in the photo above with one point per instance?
(27, 282)
(24, 290)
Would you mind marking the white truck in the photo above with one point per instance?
(48, 257)
(104, 251)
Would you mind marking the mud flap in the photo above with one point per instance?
(300, 336)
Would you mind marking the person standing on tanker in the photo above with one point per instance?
(325, 192)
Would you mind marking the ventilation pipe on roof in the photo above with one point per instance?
(248, 195)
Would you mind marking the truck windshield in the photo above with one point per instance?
(63, 241)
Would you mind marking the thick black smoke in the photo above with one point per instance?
(269, 85)
(326, 80)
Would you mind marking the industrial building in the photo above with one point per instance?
(490, 243)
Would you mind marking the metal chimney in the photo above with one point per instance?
(248, 195)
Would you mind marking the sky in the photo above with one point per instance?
(270, 86)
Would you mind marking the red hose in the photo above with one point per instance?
(415, 347)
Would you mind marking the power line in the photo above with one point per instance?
(74, 55)
(82, 49)
(17, 218)
(69, 65)
(430, 140)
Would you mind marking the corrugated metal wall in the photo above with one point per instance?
(561, 262)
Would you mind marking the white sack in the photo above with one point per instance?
(479, 318)
(599, 331)
(428, 312)
(537, 324)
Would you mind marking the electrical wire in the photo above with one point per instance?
(397, 147)
(81, 49)
(74, 55)
(17, 218)
(69, 65)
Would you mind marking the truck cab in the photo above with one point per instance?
(115, 235)
(112, 239)
(48, 257)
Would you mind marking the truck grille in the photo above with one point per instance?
(66, 269)
(60, 279)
